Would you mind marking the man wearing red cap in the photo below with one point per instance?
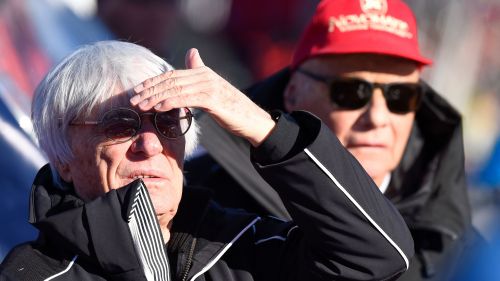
(357, 67)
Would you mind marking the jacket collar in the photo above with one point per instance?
(98, 231)
(432, 171)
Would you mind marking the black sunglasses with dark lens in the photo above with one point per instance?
(355, 93)
(122, 124)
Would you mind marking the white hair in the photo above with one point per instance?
(81, 82)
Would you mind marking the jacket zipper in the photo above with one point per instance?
(189, 260)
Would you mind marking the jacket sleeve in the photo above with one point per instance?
(347, 229)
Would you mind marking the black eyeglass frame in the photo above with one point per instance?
(418, 87)
(189, 116)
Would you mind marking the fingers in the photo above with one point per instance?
(194, 64)
(161, 89)
(167, 75)
(189, 95)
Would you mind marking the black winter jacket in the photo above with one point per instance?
(428, 187)
(343, 228)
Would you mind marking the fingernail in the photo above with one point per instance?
(135, 99)
(138, 88)
(158, 106)
(143, 103)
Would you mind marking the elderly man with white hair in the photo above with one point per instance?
(115, 122)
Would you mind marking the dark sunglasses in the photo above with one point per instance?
(355, 93)
(122, 124)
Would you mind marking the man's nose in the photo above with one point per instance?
(147, 141)
(377, 114)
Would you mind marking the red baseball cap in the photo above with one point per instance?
(386, 27)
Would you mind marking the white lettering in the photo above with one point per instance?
(353, 22)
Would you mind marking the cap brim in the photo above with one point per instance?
(367, 44)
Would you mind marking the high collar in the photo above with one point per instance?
(98, 231)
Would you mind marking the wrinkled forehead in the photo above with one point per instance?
(117, 97)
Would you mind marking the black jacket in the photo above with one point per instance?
(428, 187)
(343, 228)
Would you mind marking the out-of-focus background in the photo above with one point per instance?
(244, 40)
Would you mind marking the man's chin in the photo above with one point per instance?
(162, 206)
(164, 217)
(375, 167)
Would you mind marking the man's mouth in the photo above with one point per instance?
(149, 175)
(365, 145)
(143, 177)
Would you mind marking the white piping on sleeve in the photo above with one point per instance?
(64, 271)
(282, 238)
(360, 208)
(214, 260)
(277, 237)
(291, 229)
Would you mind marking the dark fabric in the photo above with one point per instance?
(256, 195)
(331, 238)
(282, 143)
(428, 187)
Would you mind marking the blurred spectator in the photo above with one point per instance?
(265, 32)
(149, 23)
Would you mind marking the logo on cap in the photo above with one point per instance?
(374, 6)
(373, 16)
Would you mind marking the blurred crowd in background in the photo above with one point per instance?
(244, 41)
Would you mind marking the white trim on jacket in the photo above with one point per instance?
(358, 206)
(64, 271)
(224, 250)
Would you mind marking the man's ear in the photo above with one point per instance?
(290, 97)
(64, 171)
